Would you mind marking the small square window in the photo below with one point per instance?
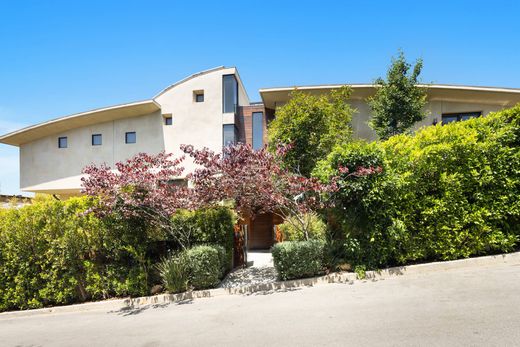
(168, 120)
(199, 95)
(62, 142)
(130, 137)
(97, 140)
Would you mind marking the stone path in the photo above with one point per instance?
(260, 271)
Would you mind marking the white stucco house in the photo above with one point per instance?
(208, 109)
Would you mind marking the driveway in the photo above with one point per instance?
(477, 306)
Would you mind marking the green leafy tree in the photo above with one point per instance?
(398, 103)
(312, 125)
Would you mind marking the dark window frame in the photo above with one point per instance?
(235, 137)
(236, 93)
(100, 139)
(254, 138)
(198, 96)
(60, 145)
(459, 116)
(129, 133)
(168, 120)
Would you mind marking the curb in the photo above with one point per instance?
(337, 277)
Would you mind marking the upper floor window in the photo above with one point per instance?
(62, 142)
(198, 96)
(97, 140)
(168, 119)
(130, 137)
(258, 130)
(230, 94)
(229, 134)
(457, 117)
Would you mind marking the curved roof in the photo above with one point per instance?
(54, 126)
(273, 97)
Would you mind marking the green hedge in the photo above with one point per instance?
(298, 259)
(292, 232)
(51, 253)
(204, 266)
(446, 192)
(209, 226)
(54, 252)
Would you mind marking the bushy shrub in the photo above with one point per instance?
(298, 259)
(208, 226)
(204, 266)
(446, 192)
(55, 252)
(174, 273)
(291, 232)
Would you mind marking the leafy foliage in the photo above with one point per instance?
(204, 264)
(298, 259)
(312, 125)
(174, 271)
(52, 252)
(446, 192)
(207, 226)
(398, 103)
(256, 182)
(291, 231)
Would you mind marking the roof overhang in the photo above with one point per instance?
(59, 125)
(273, 97)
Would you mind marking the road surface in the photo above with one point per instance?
(477, 306)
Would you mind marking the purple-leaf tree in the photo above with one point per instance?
(257, 182)
(141, 187)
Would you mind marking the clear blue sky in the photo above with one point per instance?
(62, 57)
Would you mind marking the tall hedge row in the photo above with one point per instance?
(55, 252)
(446, 192)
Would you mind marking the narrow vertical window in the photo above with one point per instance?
(62, 142)
(229, 134)
(258, 130)
(97, 140)
(229, 94)
(130, 137)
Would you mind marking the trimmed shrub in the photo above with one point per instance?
(446, 192)
(208, 226)
(290, 232)
(204, 266)
(298, 259)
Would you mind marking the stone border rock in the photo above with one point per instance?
(340, 277)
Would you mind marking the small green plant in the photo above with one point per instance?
(361, 272)
(173, 271)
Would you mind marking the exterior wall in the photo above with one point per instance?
(434, 109)
(197, 123)
(244, 122)
(43, 163)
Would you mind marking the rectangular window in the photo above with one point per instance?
(130, 137)
(229, 134)
(230, 94)
(258, 130)
(168, 120)
(96, 140)
(457, 117)
(198, 96)
(62, 142)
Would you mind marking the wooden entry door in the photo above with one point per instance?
(261, 232)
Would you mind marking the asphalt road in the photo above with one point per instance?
(450, 308)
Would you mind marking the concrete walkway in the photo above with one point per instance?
(475, 306)
(260, 270)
